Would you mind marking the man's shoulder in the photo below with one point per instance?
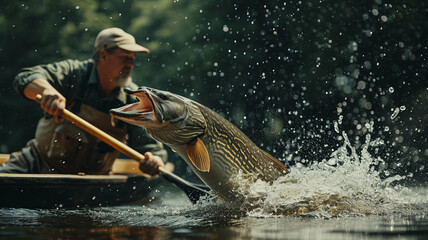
(74, 63)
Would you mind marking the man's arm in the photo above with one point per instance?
(52, 101)
(153, 150)
(53, 81)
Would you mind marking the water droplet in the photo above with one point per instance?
(391, 89)
(336, 127)
(340, 119)
(395, 113)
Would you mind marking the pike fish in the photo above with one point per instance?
(213, 147)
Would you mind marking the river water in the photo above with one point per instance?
(169, 215)
(343, 197)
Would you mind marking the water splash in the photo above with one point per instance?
(346, 184)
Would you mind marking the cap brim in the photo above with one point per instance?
(134, 48)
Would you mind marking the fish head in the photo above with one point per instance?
(167, 117)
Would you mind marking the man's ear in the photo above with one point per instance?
(102, 54)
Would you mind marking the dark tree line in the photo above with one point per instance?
(282, 71)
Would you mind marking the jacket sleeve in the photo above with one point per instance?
(61, 75)
(140, 140)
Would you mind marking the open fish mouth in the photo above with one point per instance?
(146, 109)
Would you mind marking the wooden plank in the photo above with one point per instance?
(61, 178)
(3, 158)
(120, 166)
(126, 166)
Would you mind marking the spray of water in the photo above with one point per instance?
(346, 184)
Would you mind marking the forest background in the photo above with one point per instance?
(296, 76)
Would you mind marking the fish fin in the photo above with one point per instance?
(198, 154)
(276, 163)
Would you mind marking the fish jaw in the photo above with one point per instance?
(144, 113)
(167, 117)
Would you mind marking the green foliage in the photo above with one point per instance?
(282, 71)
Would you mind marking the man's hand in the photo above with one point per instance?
(151, 164)
(53, 103)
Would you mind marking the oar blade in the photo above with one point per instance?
(193, 191)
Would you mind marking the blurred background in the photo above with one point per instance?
(293, 75)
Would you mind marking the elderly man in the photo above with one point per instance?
(89, 89)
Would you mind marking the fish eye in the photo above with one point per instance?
(162, 96)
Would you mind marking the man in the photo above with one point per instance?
(89, 89)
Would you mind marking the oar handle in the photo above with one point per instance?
(113, 142)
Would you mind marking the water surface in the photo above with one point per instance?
(168, 214)
(344, 197)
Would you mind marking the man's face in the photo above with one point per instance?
(119, 64)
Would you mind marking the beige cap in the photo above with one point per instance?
(116, 37)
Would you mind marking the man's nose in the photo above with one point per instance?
(130, 62)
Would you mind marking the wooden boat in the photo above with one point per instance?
(127, 185)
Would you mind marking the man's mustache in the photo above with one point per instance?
(125, 69)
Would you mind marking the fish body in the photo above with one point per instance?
(213, 147)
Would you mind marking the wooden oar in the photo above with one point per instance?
(193, 191)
